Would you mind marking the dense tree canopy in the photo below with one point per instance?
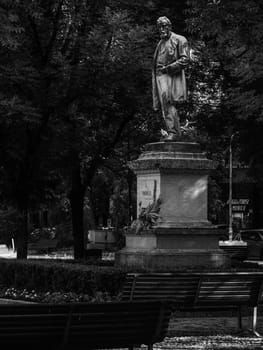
(74, 76)
(232, 33)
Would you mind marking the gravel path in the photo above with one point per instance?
(209, 343)
(209, 325)
(210, 333)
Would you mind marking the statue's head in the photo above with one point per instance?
(164, 26)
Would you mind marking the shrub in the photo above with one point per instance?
(50, 276)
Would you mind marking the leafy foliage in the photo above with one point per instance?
(233, 44)
(52, 277)
(229, 34)
(147, 217)
(73, 77)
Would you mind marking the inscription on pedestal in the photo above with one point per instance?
(148, 190)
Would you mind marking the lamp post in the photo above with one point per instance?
(230, 227)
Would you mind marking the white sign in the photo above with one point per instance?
(148, 190)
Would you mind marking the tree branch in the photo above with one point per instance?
(37, 40)
(55, 31)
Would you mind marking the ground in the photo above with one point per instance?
(186, 332)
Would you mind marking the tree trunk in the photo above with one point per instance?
(77, 201)
(89, 218)
(130, 183)
(22, 236)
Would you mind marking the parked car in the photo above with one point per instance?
(254, 239)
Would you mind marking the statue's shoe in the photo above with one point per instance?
(170, 137)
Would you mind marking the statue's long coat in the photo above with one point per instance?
(178, 59)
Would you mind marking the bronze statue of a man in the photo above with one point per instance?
(168, 79)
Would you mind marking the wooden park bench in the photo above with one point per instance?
(200, 291)
(83, 325)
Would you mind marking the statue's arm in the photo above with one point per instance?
(183, 58)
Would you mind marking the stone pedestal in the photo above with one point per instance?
(176, 173)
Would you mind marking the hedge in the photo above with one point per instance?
(50, 276)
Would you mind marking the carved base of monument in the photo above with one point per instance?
(169, 251)
(159, 260)
(177, 174)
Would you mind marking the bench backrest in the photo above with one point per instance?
(74, 326)
(196, 289)
(228, 290)
(176, 288)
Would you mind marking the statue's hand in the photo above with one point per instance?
(164, 133)
(164, 70)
